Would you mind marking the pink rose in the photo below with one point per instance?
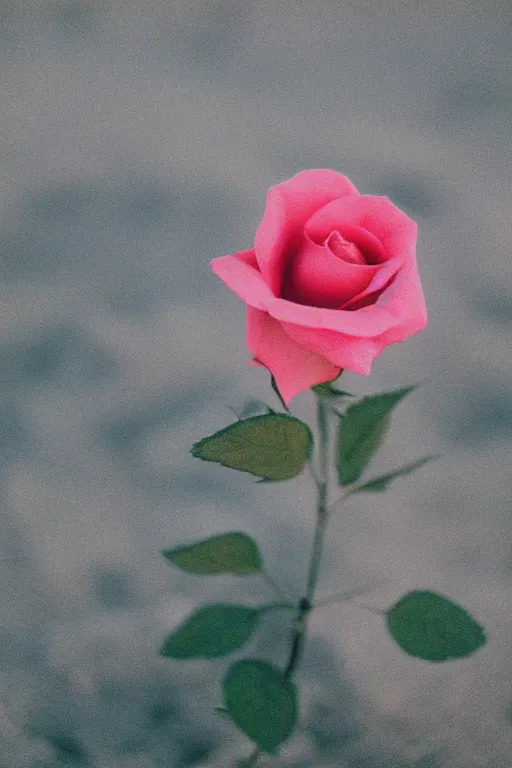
(332, 279)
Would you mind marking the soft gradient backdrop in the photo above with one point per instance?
(138, 141)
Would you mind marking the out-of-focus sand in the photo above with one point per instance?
(138, 141)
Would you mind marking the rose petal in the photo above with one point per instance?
(248, 284)
(240, 272)
(344, 249)
(289, 205)
(369, 245)
(406, 299)
(391, 226)
(318, 277)
(331, 281)
(379, 280)
(293, 366)
(366, 322)
(343, 351)
(402, 297)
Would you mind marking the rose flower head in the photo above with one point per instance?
(332, 279)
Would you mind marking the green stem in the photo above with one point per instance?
(305, 604)
(340, 597)
(272, 584)
(322, 515)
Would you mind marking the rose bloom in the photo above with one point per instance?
(331, 280)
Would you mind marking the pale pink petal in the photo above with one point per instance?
(293, 366)
(289, 206)
(391, 226)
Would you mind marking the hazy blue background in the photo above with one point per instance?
(137, 141)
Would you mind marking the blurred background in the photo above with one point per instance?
(138, 141)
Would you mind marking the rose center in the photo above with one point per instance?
(344, 249)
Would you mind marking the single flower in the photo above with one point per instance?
(332, 279)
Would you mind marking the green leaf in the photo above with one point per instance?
(329, 392)
(261, 702)
(212, 630)
(429, 626)
(381, 482)
(274, 446)
(361, 431)
(255, 408)
(225, 553)
(341, 393)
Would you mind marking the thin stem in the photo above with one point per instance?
(350, 601)
(322, 515)
(305, 604)
(272, 584)
(316, 554)
(340, 500)
(346, 597)
(321, 508)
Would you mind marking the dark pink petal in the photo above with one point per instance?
(322, 275)
(289, 206)
(369, 245)
(344, 249)
(380, 279)
(293, 366)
